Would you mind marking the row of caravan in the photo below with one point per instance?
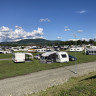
(47, 57)
(77, 49)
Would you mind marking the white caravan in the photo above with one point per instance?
(62, 57)
(78, 49)
(42, 50)
(93, 47)
(5, 52)
(50, 57)
(21, 57)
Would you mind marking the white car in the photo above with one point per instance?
(37, 56)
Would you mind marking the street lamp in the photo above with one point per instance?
(75, 35)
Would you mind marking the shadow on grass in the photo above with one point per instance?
(71, 71)
(92, 77)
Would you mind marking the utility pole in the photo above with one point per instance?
(75, 35)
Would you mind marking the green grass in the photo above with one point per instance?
(8, 68)
(5, 56)
(76, 86)
(82, 58)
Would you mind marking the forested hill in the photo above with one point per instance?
(46, 42)
(32, 42)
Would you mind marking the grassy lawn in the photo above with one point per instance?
(76, 86)
(82, 58)
(8, 68)
(5, 56)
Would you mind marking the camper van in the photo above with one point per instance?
(18, 57)
(62, 57)
(21, 57)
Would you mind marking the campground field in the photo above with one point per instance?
(9, 69)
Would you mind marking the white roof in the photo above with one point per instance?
(91, 49)
(28, 54)
(19, 53)
(48, 53)
(61, 52)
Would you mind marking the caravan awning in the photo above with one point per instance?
(47, 53)
(28, 54)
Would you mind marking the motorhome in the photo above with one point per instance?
(21, 57)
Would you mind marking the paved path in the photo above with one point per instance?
(6, 59)
(20, 85)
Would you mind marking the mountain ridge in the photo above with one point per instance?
(31, 42)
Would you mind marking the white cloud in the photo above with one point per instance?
(79, 30)
(82, 11)
(59, 37)
(73, 39)
(65, 26)
(45, 20)
(7, 34)
(4, 29)
(86, 39)
(67, 29)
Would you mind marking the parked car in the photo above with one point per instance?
(37, 56)
(72, 58)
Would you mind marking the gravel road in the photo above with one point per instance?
(5, 59)
(34, 82)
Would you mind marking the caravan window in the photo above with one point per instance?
(63, 55)
(92, 51)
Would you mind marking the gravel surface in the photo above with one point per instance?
(6, 59)
(34, 82)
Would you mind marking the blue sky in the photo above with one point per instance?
(50, 19)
